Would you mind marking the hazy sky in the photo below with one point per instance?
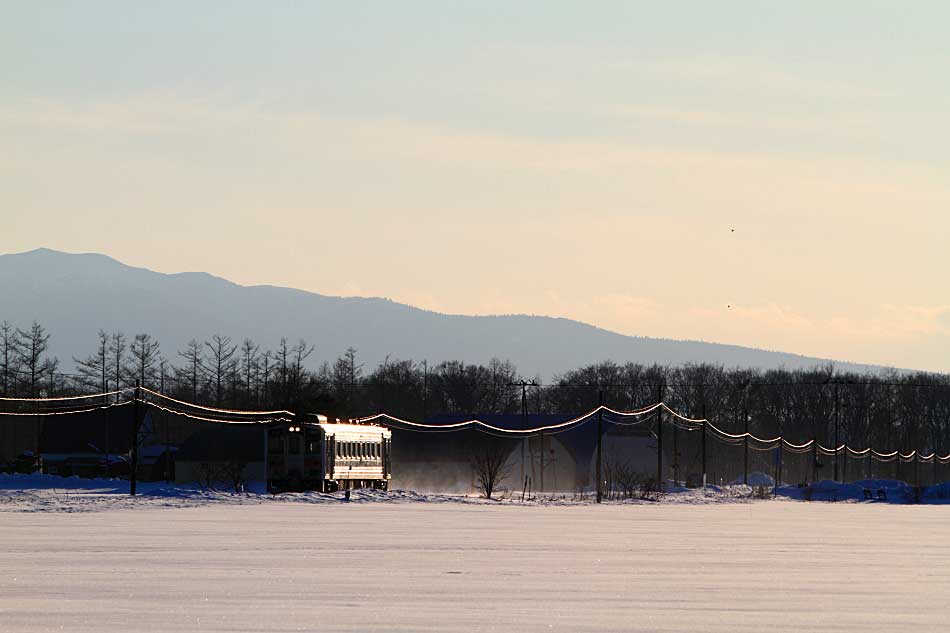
(760, 173)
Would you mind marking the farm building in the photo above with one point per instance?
(84, 443)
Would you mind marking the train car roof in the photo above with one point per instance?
(331, 428)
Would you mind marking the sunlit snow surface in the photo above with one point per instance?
(83, 557)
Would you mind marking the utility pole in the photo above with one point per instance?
(836, 431)
(676, 456)
(705, 423)
(745, 417)
(916, 448)
(541, 465)
(781, 455)
(917, 468)
(933, 448)
(135, 439)
(524, 427)
(167, 458)
(659, 438)
(600, 446)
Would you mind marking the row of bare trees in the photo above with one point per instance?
(25, 367)
(888, 410)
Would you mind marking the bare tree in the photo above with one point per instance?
(249, 363)
(233, 472)
(490, 464)
(31, 347)
(345, 374)
(194, 366)
(299, 353)
(266, 367)
(117, 350)
(220, 363)
(162, 373)
(208, 474)
(145, 354)
(94, 369)
(50, 365)
(282, 369)
(9, 344)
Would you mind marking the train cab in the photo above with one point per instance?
(315, 454)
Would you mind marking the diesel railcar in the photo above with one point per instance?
(320, 455)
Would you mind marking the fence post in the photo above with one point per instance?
(135, 440)
(814, 460)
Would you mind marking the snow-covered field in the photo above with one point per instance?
(193, 561)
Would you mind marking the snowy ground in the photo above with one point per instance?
(194, 563)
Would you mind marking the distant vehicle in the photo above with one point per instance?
(320, 455)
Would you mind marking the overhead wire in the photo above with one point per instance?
(72, 412)
(219, 420)
(215, 409)
(67, 398)
(644, 414)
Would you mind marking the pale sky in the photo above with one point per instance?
(767, 174)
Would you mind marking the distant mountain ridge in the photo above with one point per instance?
(74, 295)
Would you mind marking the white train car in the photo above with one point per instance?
(318, 455)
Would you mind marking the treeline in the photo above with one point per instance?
(225, 373)
(890, 410)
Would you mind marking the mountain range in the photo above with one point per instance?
(74, 295)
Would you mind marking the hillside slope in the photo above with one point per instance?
(74, 295)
